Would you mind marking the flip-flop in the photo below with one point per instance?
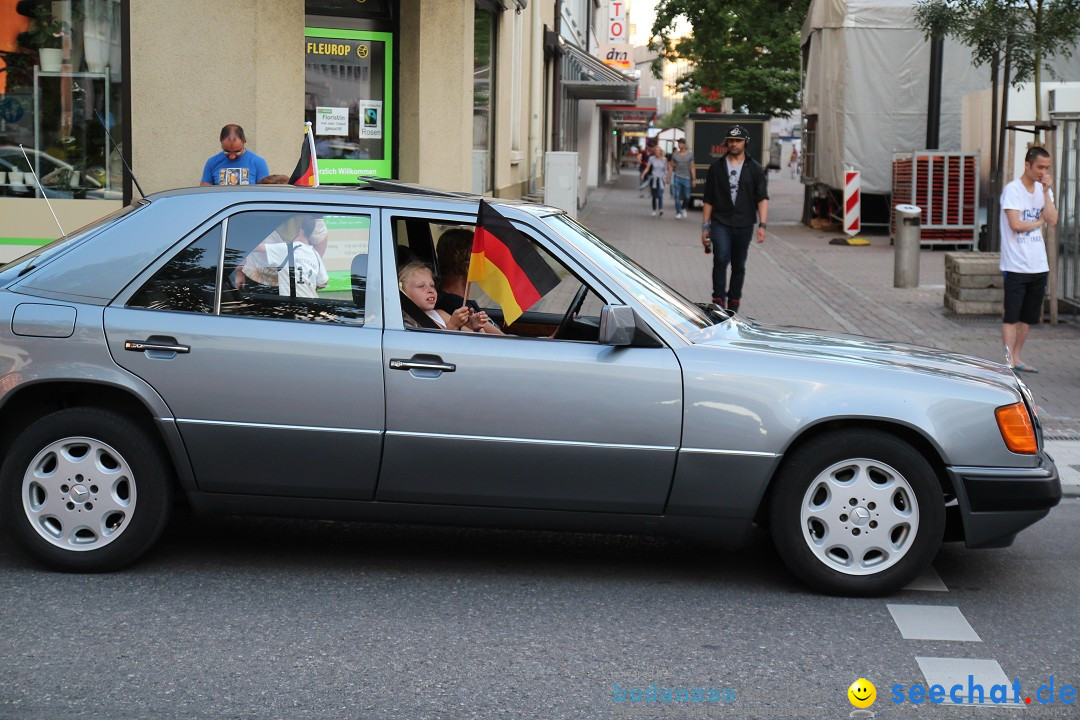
(1022, 367)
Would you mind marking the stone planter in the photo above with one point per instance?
(973, 283)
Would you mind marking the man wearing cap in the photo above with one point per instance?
(736, 196)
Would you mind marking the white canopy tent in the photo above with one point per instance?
(867, 71)
(866, 79)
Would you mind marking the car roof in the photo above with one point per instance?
(377, 191)
(97, 268)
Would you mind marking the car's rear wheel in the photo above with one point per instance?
(85, 490)
(857, 512)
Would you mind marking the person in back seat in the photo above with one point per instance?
(295, 267)
(260, 271)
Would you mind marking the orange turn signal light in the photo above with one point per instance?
(1016, 429)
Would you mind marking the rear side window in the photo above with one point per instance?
(296, 266)
(318, 275)
(188, 282)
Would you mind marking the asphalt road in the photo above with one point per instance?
(259, 618)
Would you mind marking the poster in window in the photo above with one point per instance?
(331, 121)
(371, 112)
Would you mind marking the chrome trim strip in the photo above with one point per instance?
(1005, 473)
(271, 426)
(749, 453)
(529, 441)
(221, 265)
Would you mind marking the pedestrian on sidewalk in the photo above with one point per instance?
(658, 179)
(683, 177)
(1027, 203)
(643, 169)
(736, 196)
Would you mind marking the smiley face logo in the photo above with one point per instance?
(862, 693)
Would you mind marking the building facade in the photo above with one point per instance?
(456, 94)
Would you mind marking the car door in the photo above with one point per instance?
(273, 392)
(526, 422)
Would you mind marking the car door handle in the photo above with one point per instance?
(144, 345)
(438, 366)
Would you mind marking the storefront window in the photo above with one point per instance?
(60, 86)
(347, 100)
(483, 99)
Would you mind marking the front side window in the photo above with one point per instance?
(296, 266)
(568, 309)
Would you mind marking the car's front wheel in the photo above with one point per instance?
(857, 512)
(85, 490)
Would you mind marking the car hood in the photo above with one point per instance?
(825, 346)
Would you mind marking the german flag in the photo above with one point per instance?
(507, 265)
(307, 169)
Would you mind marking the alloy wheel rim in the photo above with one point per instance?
(859, 516)
(79, 494)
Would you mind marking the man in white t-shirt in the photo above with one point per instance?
(299, 268)
(1027, 203)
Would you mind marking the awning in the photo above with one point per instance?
(629, 114)
(585, 77)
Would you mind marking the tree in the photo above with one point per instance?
(1015, 38)
(1055, 26)
(1035, 31)
(748, 50)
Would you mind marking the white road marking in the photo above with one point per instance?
(932, 622)
(970, 674)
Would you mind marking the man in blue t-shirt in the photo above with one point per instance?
(235, 164)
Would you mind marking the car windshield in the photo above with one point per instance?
(39, 256)
(673, 309)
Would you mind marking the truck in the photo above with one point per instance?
(706, 133)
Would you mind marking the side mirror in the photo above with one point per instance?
(617, 325)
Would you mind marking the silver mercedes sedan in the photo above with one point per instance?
(254, 350)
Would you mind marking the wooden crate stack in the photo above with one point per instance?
(973, 283)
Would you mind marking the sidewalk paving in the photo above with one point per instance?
(797, 278)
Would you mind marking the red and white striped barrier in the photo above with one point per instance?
(852, 203)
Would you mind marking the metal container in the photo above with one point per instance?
(908, 232)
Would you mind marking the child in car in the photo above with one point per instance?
(417, 285)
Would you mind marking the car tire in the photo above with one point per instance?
(873, 546)
(85, 490)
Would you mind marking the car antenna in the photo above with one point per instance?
(122, 158)
(37, 183)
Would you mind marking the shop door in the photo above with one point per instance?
(348, 95)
